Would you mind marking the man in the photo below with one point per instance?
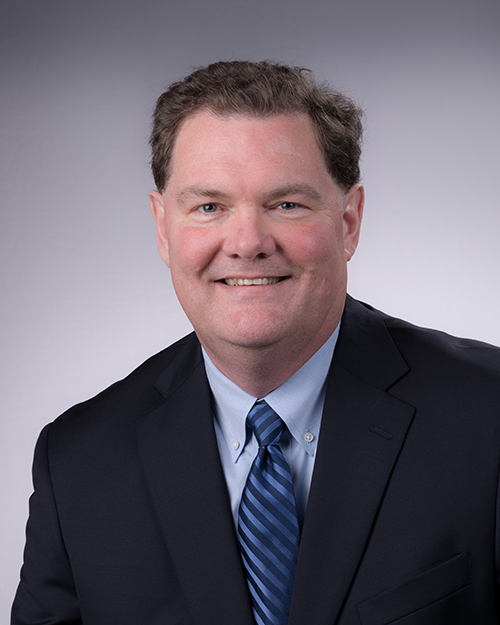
(370, 498)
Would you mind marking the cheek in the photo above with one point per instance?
(191, 249)
(316, 246)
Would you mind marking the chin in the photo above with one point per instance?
(255, 337)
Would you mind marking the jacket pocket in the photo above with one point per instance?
(420, 592)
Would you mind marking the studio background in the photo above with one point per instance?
(85, 297)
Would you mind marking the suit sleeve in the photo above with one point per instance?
(46, 593)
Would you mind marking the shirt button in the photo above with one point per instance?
(235, 444)
(308, 437)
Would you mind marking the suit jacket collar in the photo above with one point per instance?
(365, 347)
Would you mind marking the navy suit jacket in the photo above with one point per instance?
(130, 520)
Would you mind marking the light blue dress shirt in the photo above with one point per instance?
(298, 401)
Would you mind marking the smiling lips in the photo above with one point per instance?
(250, 281)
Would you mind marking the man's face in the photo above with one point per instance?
(255, 231)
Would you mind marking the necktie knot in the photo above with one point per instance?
(265, 424)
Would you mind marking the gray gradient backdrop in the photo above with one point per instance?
(84, 295)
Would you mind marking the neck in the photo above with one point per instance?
(259, 370)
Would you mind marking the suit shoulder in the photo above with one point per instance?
(438, 347)
(129, 398)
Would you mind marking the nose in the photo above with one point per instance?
(248, 235)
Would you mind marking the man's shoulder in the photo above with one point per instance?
(434, 342)
(426, 347)
(134, 395)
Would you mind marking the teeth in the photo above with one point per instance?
(248, 282)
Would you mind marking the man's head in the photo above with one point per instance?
(255, 228)
(260, 90)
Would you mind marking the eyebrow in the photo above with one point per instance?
(204, 192)
(294, 189)
(213, 193)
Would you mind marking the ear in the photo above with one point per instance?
(157, 203)
(353, 213)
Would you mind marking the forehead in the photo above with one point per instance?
(208, 142)
(239, 125)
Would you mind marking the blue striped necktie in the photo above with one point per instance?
(268, 528)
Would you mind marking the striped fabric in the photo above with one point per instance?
(268, 528)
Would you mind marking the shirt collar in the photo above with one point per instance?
(298, 401)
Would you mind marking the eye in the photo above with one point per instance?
(287, 206)
(208, 208)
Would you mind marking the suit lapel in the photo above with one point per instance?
(362, 432)
(178, 448)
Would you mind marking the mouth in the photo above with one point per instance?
(250, 281)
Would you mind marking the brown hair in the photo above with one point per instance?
(260, 89)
